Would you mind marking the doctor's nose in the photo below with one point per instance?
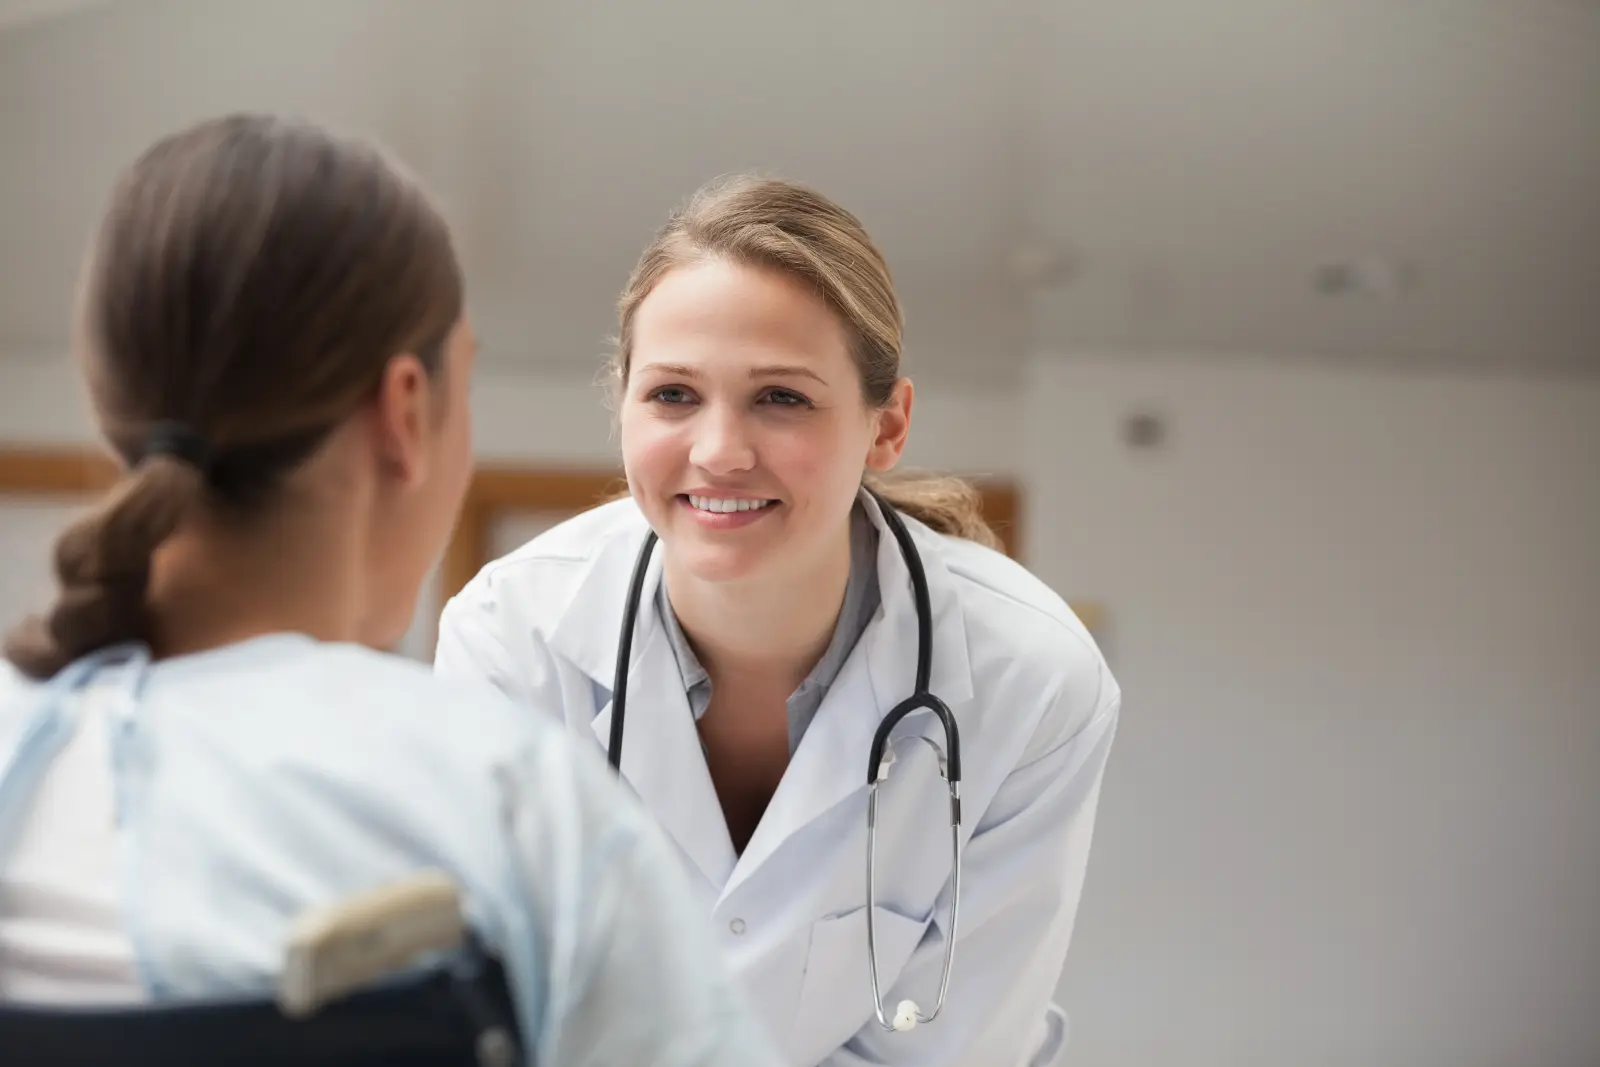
(721, 444)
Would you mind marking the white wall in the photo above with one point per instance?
(1354, 813)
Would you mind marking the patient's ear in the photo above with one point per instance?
(404, 416)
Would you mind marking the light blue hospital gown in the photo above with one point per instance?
(268, 777)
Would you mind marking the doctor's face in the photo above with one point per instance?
(744, 432)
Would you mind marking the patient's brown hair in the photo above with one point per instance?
(251, 280)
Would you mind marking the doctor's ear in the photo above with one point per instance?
(893, 422)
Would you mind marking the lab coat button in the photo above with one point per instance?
(737, 926)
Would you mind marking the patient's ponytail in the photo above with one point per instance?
(102, 567)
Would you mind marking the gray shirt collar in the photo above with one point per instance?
(861, 600)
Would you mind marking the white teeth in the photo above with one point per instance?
(723, 505)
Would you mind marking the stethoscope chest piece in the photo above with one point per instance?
(908, 1013)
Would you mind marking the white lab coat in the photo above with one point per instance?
(1037, 710)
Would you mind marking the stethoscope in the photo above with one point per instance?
(907, 1013)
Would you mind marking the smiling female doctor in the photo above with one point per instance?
(758, 380)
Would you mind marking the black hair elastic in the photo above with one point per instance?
(178, 441)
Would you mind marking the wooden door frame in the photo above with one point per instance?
(54, 472)
(498, 490)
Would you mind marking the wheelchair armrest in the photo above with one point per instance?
(336, 950)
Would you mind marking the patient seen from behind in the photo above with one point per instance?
(199, 744)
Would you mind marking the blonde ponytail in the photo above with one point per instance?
(945, 504)
(102, 564)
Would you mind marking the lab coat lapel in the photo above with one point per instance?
(661, 755)
(586, 633)
(892, 644)
(830, 765)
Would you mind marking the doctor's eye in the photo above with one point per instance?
(785, 398)
(671, 395)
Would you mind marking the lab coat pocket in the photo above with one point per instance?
(836, 993)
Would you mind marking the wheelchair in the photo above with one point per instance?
(392, 977)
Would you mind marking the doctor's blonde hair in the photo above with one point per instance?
(251, 281)
(788, 227)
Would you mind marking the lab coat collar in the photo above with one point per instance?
(893, 654)
(586, 633)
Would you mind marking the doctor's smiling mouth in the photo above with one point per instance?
(724, 511)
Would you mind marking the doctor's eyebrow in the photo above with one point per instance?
(782, 370)
(771, 370)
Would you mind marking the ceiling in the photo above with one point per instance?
(1112, 177)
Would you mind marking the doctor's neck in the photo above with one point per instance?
(775, 626)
